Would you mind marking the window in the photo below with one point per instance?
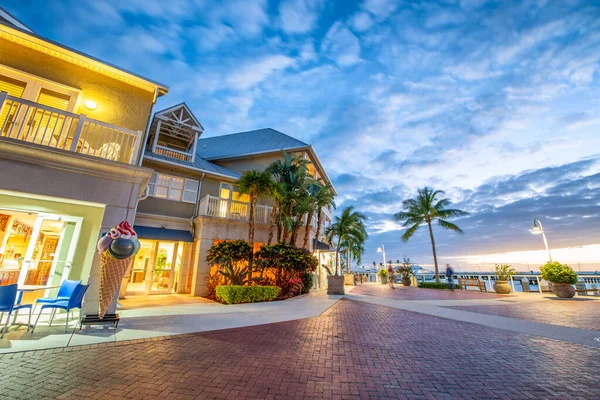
(227, 191)
(173, 188)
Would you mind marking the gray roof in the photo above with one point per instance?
(246, 143)
(198, 164)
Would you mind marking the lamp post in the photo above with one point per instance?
(538, 229)
(381, 249)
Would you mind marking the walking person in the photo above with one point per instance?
(449, 276)
(391, 277)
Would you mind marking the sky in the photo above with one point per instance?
(495, 102)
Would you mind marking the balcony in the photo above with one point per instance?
(212, 206)
(172, 153)
(32, 122)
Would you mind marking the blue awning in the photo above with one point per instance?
(146, 232)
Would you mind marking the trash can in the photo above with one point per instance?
(525, 284)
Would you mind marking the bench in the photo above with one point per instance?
(476, 282)
(583, 291)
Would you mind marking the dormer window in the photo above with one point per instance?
(174, 133)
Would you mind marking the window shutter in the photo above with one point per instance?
(152, 184)
(190, 191)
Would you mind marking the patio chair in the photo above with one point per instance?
(8, 296)
(64, 293)
(68, 305)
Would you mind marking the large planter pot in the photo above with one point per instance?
(502, 287)
(406, 281)
(349, 279)
(384, 280)
(563, 290)
(335, 284)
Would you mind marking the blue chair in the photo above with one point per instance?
(8, 296)
(72, 303)
(64, 292)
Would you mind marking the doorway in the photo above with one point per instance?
(37, 248)
(156, 267)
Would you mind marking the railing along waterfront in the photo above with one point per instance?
(36, 123)
(223, 208)
(172, 153)
(537, 284)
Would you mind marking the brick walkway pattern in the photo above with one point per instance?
(414, 293)
(353, 351)
(573, 313)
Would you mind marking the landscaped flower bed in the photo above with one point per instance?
(280, 266)
(434, 285)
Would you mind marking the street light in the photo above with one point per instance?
(538, 229)
(381, 249)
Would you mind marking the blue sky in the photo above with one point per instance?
(495, 102)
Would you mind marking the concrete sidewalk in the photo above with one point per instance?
(153, 320)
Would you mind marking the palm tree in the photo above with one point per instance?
(348, 227)
(353, 251)
(323, 198)
(424, 209)
(255, 184)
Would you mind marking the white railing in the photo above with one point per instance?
(223, 208)
(36, 123)
(172, 153)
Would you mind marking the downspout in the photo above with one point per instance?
(197, 210)
(145, 138)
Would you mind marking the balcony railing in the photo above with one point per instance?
(172, 153)
(32, 122)
(223, 208)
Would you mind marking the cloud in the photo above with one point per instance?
(341, 45)
(299, 16)
(257, 71)
(361, 21)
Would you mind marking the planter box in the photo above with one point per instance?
(335, 284)
(349, 279)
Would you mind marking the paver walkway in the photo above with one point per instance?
(356, 350)
(576, 313)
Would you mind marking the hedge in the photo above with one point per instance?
(246, 294)
(436, 285)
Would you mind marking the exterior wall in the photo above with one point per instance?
(259, 163)
(118, 103)
(207, 229)
(171, 208)
(43, 174)
(210, 186)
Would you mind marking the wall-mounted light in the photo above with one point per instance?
(90, 104)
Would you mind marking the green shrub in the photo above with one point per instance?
(555, 272)
(383, 273)
(246, 294)
(231, 258)
(435, 285)
(504, 271)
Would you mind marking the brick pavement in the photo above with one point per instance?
(415, 293)
(574, 313)
(353, 351)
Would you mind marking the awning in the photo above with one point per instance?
(146, 232)
(318, 245)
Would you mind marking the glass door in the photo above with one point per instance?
(50, 251)
(166, 266)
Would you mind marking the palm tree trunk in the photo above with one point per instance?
(251, 237)
(307, 229)
(337, 258)
(348, 261)
(278, 222)
(318, 228)
(437, 272)
(272, 223)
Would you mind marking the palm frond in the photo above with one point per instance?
(449, 225)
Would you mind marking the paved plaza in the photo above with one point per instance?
(356, 349)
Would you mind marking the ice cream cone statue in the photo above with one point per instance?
(116, 248)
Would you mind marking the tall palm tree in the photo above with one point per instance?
(292, 175)
(348, 227)
(425, 209)
(353, 250)
(255, 184)
(323, 199)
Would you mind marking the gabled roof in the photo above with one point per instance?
(7, 17)
(180, 113)
(199, 165)
(246, 143)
